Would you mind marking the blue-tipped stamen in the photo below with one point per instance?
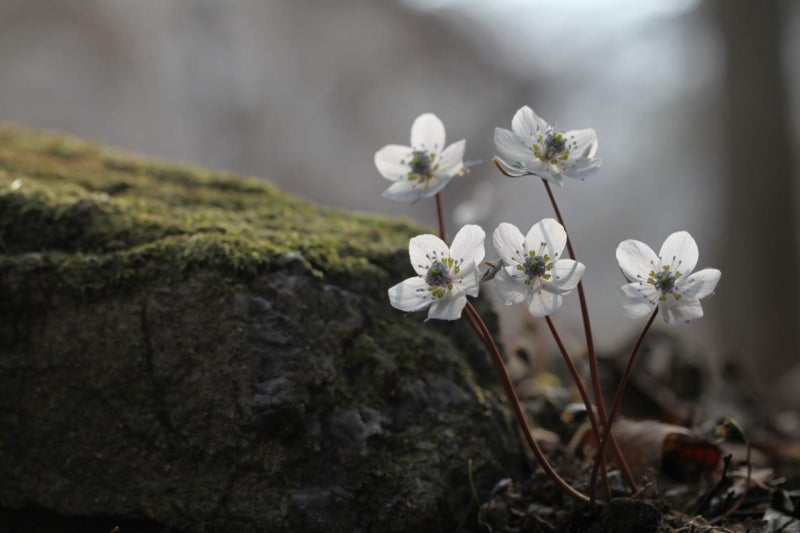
(665, 281)
(422, 167)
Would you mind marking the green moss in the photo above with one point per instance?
(103, 218)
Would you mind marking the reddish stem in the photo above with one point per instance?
(592, 356)
(440, 217)
(618, 396)
(584, 397)
(587, 325)
(476, 322)
(482, 331)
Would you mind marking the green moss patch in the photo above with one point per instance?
(103, 218)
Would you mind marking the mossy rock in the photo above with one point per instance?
(207, 353)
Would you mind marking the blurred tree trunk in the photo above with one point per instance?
(759, 282)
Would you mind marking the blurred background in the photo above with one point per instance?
(696, 105)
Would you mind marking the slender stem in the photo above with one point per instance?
(482, 331)
(591, 355)
(511, 394)
(440, 217)
(478, 330)
(587, 325)
(586, 401)
(618, 396)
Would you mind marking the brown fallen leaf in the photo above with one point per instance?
(650, 446)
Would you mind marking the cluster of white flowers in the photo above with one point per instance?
(530, 266)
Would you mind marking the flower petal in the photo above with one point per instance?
(509, 243)
(468, 245)
(411, 191)
(582, 143)
(388, 161)
(508, 289)
(528, 124)
(636, 260)
(451, 161)
(515, 273)
(428, 132)
(424, 250)
(509, 170)
(566, 275)
(544, 303)
(553, 175)
(680, 252)
(410, 295)
(512, 148)
(700, 284)
(683, 310)
(468, 281)
(448, 308)
(547, 237)
(403, 191)
(637, 299)
(433, 186)
(581, 169)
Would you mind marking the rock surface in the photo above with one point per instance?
(206, 353)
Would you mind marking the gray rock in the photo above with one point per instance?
(183, 376)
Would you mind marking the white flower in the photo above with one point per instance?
(424, 168)
(446, 276)
(532, 269)
(665, 279)
(534, 147)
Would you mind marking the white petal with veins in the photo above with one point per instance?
(388, 161)
(527, 124)
(410, 295)
(468, 244)
(636, 260)
(547, 237)
(509, 243)
(424, 249)
(679, 251)
(566, 274)
(447, 308)
(544, 303)
(683, 310)
(510, 290)
(451, 161)
(637, 299)
(427, 133)
(403, 191)
(700, 284)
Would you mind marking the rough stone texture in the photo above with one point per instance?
(209, 354)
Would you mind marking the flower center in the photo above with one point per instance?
(438, 275)
(551, 147)
(422, 166)
(555, 143)
(665, 282)
(536, 266)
